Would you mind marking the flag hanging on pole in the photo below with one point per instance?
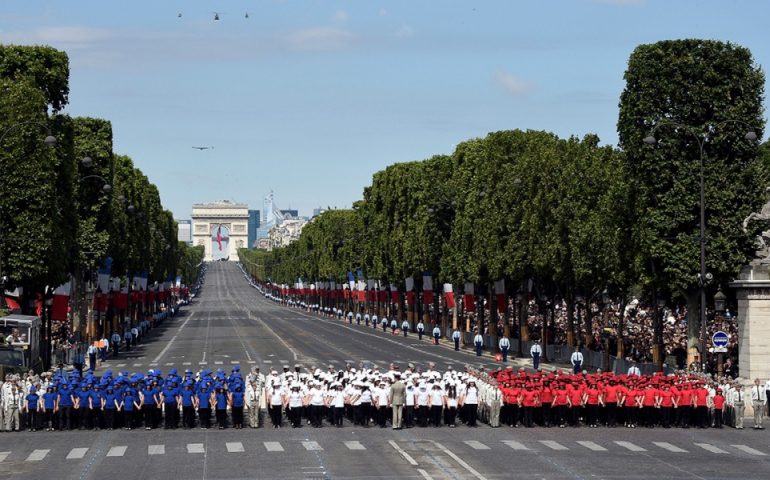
(502, 304)
(427, 289)
(449, 295)
(61, 299)
(468, 299)
(394, 298)
(409, 290)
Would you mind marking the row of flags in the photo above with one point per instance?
(377, 291)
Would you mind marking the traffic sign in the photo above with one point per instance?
(720, 339)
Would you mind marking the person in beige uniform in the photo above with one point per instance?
(759, 402)
(397, 400)
(739, 405)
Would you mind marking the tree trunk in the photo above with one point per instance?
(693, 328)
(570, 320)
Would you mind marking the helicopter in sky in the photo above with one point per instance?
(203, 148)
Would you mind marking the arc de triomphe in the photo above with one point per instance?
(221, 227)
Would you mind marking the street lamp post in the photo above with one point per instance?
(703, 277)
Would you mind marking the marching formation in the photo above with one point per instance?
(370, 397)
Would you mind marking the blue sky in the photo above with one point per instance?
(310, 97)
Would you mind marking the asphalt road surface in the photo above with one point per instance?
(231, 323)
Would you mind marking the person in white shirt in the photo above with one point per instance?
(423, 405)
(393, 326)
(420, 329)
(317, 402)
(338, 404)
(577, 360)
(634, 370)
(478, 342)
(436, 404)
(504, 345)
(535, 352)
(456, 335)
(294, 402)
(436, 334)
(470, 403)
(381, 396)
(409, 404)
(759, 402)
(276, 403)
(405, 327)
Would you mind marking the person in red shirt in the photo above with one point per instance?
(719, 406)
(559, 404)
(610, 400)
(591, 397)
(702, 406)
(630, 405)
(529, 400)
(575, 402)
(685, 405)
(649, 400)
(665, 404)
(546, 399)
(512, 405)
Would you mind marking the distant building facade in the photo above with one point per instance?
(184, 231)
(290, 213)
(286, 232)
(221, 227)
(253, 227)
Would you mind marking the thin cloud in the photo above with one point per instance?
(68, 37)
(320, 38)
(512, 84)
(620, 3)
(341, 16)
(405, 31)
(382, 12)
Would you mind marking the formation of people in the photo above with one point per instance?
(367, 397)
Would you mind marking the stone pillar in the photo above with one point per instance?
(753, 293)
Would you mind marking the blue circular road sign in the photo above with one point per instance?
(720, 339)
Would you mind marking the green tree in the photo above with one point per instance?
(690, 91)
(45, 68)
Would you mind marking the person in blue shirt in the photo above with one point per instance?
(126, 406)
(236, 402)
(49, 407)
(96, 407)
(148, 399)
(107, 401)
(170, 397)
(31, 406)
(83, 407)
(188, 409)
(203, 406)
(221, 402)
(65, 403)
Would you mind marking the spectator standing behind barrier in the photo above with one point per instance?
(535, 351)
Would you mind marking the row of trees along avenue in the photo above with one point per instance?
(68, 202)
(567, 219)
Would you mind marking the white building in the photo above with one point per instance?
(221, 227)
(286, 232)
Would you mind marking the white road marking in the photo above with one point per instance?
(462, 462)
(424, 474)
(403, 453)
(711, 448)
(669, 447)
(235, 362)
(476, 445)
(252, 362)
(203, 363)
(120, 365)
(749, 450)
(137, 364)
(553, 445)
(195, 448)
(515, 445)
(354, 446)
(234, 447)
(310, 445)
(169, 364)
(37, 455)
(267, 361)
(273, 447)
(156, 449)
(592, 446)
(630, 446)
(153, 364)
(186, 363)
(3, 456)
(218, 362)
(117, 451)
(77, 453)
(171, 342)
